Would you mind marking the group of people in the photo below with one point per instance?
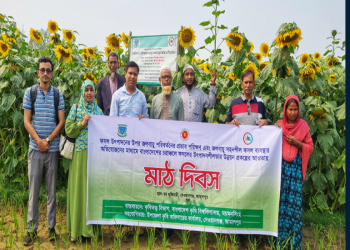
(118, 96)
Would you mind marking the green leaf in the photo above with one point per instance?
(331, 175)
(11, 164)
(16, 79)
(341, 112)
(235, 29)
(315, 157)
(212, 115)
(293, 66)
(18, 119)
(238, 57)
(205, 23)
(65, 164)
(321, 123)
(318, 182)
(218, 13)
(208, 4)
(340, 162)
(191, 51)
(28, 72)
(3, 71)
(222, 118)
(216, 58)
(326, 53)
(341, 198)
(253, 59)
(325, 140)
(264, 74)
(222, 27)
(322, 201)
(177, 80)
(343, 58)
(280, 56)
(3, 84)
(7, 101)
(208, 40)
(18, 60)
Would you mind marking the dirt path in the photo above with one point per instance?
(13, 231)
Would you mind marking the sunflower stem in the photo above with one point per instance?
(275, 111)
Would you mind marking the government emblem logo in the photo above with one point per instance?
(184, 134)
(136, 43)
(171, 41)
(122, 129)
(247, 138)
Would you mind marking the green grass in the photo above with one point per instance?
(336, 219)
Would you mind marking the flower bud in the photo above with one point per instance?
(334, 32)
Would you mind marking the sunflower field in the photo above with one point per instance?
(317, 79)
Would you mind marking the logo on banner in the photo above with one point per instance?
(136, 43)
(122, 129)
(184, 134)
(171, 41)
(247, 138)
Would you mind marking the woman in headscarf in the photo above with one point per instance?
(297, 146)
(77, 127)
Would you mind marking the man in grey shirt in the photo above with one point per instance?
(195, 99)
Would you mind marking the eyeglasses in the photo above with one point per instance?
(166, 77)
(48, 71)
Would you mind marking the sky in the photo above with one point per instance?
(259, 20)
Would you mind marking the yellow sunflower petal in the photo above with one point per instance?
(4, 48)
(332, 78)
(125, 40)
(251, 47)
(253, 68)
(8, 39)
(204, 67)
(263, 65)
(187, 37)
(237, 42)
(317, 56)
(68, 35)
(34, 34)
(264, 49)
(332, 61)
(304, 58)
(52, 26)
(289, 38)
(114, 42)
(307, 74)
(258, 57)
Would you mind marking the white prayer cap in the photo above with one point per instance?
(164, 67)
(187, 67)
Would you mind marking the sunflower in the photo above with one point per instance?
(68, 35)
(314, 66)
(4, 48)
(237, 42)
(288, 71)
(86, 57)
(17, 32)
(54, 40)
(91, 52)
(34, 34)
(193, 60)
(251, 47)
(307, 74)
(52, 26)
(274, 71)
(125, 40)
(107, 51)
(332, 61)
(258, 56)
(332, 78)
(253, 68)
(198, 60)
(87, 65)
(2, 17)
(264, 49)
(8, 39)
(13, 66)
(223, 66)
(64, 53)
(91, 77)
(314, 92)
(232, 76)
(263, 65)
(289, 36)
(187, 37)
(317, 56)
(304, 58)
(204, 67)
(113, 42)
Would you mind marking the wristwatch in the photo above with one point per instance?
(48, 140)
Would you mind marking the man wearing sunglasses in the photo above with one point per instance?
(167, 105)
(247, 109)
(44, 119)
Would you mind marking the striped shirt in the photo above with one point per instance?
(247, 112)
(44, 121)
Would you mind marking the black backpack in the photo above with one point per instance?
(56, 94)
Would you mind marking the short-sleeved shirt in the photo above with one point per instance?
(128, 105)
(167, 107)
(195, 100)
(246, 111)
(44, 120)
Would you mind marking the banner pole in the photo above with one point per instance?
(130, 35)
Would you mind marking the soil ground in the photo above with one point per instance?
(13, 231)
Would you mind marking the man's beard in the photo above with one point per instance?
(188, 86)
(113, 76)
(166, 90)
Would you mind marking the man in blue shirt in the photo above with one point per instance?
(43, 128)
(129, 101)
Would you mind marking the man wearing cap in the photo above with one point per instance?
(167, 105)
(194, 99)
